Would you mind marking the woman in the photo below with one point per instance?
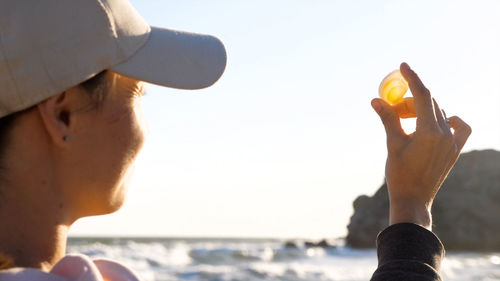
(71, 126)
(71, 77)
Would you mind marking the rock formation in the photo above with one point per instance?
(466, 211)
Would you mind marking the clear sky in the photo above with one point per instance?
(286, 140)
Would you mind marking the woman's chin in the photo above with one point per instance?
(106, 209)
(117, 200)
(108, 204)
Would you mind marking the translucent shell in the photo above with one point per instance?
(393, 88)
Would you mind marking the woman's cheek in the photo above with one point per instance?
(141, 124)
(134, 142)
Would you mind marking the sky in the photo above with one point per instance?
(285, 141)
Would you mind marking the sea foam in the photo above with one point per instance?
(169, 259)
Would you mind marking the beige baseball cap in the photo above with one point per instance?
(48, 46)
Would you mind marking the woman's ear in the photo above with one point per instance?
(55, 113)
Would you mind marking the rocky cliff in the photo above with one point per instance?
(466, 211)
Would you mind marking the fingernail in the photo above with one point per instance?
(376, 105)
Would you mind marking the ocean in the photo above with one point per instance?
(208, 259)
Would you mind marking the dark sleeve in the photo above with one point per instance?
(407, 251)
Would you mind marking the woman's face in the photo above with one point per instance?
(104, 145)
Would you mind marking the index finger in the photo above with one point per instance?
(422, 98)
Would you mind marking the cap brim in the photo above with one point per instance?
(177, 59)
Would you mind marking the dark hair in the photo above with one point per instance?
(96, 87)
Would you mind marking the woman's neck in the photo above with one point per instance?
(33, 230)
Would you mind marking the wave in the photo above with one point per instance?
(221, 260)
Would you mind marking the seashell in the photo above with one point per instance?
(393, 87)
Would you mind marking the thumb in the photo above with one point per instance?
(389, 118)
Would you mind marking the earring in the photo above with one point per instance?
(65, 138)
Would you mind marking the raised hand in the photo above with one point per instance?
(417, 164)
